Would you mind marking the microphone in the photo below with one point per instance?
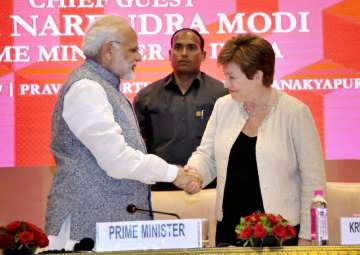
(131, 208)
(85, 244)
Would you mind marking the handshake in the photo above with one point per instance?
(188, 179)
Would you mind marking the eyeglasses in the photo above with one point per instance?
(116, 42)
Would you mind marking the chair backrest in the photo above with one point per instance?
(343, 201)
(200, 205)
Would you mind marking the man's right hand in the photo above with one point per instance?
(189, 180)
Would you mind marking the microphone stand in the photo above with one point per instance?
(159, 212)
(131, 208)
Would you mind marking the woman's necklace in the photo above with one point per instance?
(253, 109)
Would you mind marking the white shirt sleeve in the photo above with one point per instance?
(89, 116)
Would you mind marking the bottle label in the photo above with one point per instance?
(322, 224)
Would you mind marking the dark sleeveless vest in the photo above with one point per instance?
(81, 188)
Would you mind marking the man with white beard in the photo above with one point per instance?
(101, 160)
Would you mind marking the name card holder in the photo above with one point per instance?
(144, 235)
(350, 230)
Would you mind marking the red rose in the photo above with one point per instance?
(280, 232)
(253, 218)
(256, 218)
(32, 228)
(259, 231)
(41, 240)
(13, 227)
(273, 219)
(26, 237)
(291, 231)
(246, 233)
(6, 241)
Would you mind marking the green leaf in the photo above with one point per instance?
(242, 220)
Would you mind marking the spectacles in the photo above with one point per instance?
(116, 42)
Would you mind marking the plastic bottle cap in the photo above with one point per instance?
(318, 192)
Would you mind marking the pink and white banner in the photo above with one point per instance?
(317, 47)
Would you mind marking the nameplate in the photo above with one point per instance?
(350, 230)
(143, 235)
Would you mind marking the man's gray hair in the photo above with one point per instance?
(103, 30)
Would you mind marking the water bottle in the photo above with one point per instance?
(319, 224)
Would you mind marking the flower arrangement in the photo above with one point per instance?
(23, 237)
(261, 229)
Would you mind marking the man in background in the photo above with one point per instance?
(173, 112)
(101, 160)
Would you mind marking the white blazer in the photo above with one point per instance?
(288, 155)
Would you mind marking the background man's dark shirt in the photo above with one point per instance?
(173, 123)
